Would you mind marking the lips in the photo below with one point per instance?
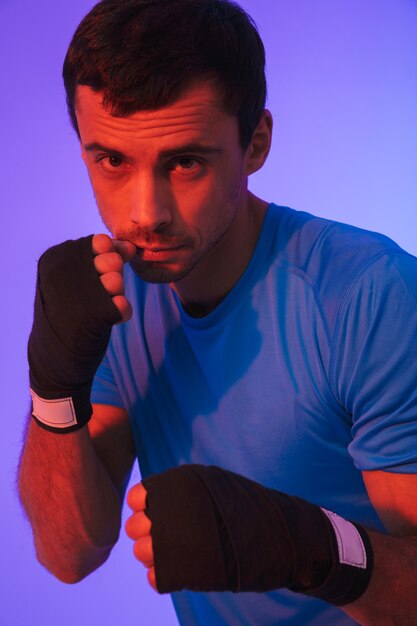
(159, 254)
(164, 249)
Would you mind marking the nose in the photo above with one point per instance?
(150, 204)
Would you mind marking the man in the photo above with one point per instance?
(248, 341)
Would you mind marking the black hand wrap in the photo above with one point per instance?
(71, 329)
(213, 530)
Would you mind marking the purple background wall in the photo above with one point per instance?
(343, 90)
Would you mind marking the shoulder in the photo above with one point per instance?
(315, 244)
(333, 256)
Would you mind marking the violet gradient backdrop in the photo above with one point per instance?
(343, 91)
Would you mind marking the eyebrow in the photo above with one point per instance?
(194, 147)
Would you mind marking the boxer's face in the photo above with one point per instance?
(172, 180)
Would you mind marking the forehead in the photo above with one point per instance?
(198, 114)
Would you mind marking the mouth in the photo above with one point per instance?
(159, 253)
(162, 249)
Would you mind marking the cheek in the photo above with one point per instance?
(197, 200)
(111, 202)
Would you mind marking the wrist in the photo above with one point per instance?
(62, 414)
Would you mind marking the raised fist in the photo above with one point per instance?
(79, 297)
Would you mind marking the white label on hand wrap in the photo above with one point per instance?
(58, 413)
(349, 542)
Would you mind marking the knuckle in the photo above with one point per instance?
(108, 262)
(125, 248)
(129, 528)
(124, 307)
(116, 261)
(136, 526)
(152, 578)
(130, 498)
(102, 243)
(142, 524)
(146, 523)
(136, 497)
(143, 551)
(113, 283)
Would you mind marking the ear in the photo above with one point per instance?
(260, 144)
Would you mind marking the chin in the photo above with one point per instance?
(157, 272)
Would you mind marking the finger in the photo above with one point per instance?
(143, 551)
(102, 243)
(152, 578)
(124, 307)
(138, 525)
(108, 262)
(126, 249)
(136, 497)
(113, 283)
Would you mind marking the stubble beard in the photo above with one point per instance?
(155, 272)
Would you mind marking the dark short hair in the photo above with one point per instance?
(143, 54)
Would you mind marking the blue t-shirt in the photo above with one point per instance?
(304, 375)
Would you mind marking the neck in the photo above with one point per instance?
(215, 276)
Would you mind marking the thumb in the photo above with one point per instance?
(126, 249)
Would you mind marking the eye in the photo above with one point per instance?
(186, 163)
(115, 161)
(110, 163)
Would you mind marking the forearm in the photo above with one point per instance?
(71, 501)
(391, 598)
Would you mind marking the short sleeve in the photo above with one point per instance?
(374, 364)
(104, 389)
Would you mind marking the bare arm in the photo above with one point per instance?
(72, 486)
(391, 598)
